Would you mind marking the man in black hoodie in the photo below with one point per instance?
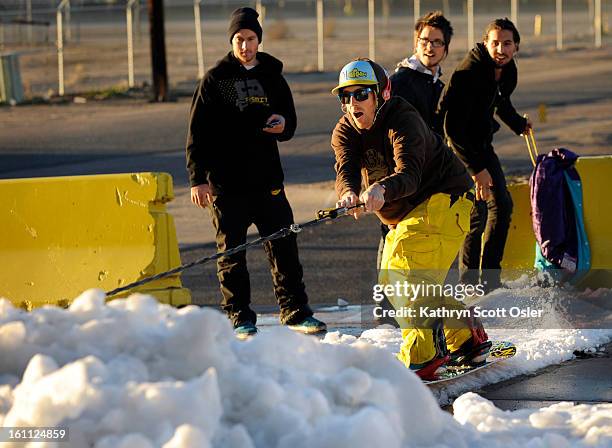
(240, 109)
(417, 78)
(481, 86)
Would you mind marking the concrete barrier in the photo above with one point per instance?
(63, 235)
(520, 248)
(596, 177)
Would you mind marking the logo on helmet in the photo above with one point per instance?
(356, 73)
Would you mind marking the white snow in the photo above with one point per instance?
(135, 373)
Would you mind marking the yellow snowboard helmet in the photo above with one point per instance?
(365, 72)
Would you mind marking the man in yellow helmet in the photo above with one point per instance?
(416, 185)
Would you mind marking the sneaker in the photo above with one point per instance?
(309, 325)
(245, 330)
(431, 369)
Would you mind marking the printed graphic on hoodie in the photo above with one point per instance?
(375, 165)
(243, 92)
(248, 92)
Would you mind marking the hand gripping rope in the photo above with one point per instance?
(328, 214)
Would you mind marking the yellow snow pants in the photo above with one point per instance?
(421, 250)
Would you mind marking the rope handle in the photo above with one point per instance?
(333, 213)
(531, 144)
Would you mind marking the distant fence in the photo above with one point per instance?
(105, 44)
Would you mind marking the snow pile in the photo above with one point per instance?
(555, 426)
(135, 373)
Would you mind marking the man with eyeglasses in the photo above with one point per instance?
(416, 185)
(479, 88)
(417, 78)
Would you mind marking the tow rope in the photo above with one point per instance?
(324, 215)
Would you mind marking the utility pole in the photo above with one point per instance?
(158, 50)
(371, 31)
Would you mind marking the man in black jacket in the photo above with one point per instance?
(481, 86)
(240, 109)
(417, 79)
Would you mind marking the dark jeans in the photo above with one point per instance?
(492, 218)
(231, 217)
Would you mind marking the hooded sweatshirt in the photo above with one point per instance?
(401, 153)
(469, 101)
(413, 82)
(226, 146)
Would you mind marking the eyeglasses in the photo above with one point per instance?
(436, 43)
(359, 95)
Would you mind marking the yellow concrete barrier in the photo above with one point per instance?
(519, 253)
(596, 177)
(63, 235)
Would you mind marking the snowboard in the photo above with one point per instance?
(500, 351)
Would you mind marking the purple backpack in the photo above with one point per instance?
(555, 209)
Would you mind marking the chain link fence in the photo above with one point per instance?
(95, 52)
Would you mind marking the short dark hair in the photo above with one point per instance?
(502, 24)
(435, 19)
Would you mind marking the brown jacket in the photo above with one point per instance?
(399, 152)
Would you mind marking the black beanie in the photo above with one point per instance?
(244, 18)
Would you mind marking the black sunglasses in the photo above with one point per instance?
(359, 95)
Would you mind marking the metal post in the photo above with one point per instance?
(597, 23)
(348, 8)
(446, 9)
(320, 31)
(371, 31)
(514, 12)
(198, 33)
(29, 19)
(537, 25)
(60, 46)
(470, 23)
(559, 23)
(386, 12)
(130, 41)
(417, 10)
